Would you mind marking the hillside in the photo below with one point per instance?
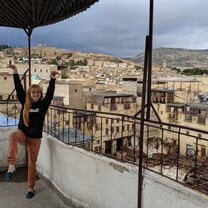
(52, 53)
(177, 57)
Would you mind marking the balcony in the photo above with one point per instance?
(98, 168)
(13, 193)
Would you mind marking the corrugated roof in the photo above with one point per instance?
(34, 13)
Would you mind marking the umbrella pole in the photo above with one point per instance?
(28, 31)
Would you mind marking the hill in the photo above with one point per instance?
(47, 52)
(177, 57)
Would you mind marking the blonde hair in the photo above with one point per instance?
(28, 102)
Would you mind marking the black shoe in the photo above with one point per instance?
(8, 176)
(30, 194)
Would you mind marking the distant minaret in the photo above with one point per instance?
(164, 65)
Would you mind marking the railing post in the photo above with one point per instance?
(147, 79)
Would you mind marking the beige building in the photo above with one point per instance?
(7, 85)
(183, 107)
(75, 94)
(113, 134)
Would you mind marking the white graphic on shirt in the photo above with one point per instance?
(34, 110)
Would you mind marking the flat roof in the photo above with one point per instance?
(176, 104)
(114, 95)
(198, 105)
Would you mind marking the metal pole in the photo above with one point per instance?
(150, 58)
(141, 137)
(147, 80)
(28, 31)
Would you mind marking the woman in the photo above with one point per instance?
(30, 127)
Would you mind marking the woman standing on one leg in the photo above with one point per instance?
(30, 127)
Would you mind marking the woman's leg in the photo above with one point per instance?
(15, 137)
(33, 146)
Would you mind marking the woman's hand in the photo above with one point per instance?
(11, 66)
(53, 74)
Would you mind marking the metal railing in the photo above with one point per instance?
(176, 152)
(9, 113)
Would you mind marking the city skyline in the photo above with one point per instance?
(119, 28)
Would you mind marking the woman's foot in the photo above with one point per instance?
(11, 170)
(30, 194)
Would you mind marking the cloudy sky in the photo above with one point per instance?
(119, 27)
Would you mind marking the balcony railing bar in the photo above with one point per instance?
(178, 150)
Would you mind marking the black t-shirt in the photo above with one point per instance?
(37, 111)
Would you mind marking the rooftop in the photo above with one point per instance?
(15, 191)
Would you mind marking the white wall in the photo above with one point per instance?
(91, 180)
(95, 181)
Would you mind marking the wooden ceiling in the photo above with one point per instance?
(29, 14)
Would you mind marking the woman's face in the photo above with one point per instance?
(35, 94)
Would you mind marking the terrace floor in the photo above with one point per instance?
(13, 194)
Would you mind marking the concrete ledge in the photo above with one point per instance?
(173, 194)
(86, 179)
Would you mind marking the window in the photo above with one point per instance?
(203, 151)
(75, 90)
(188, 117)
(129, 141)
(201, 120)
(107, 131)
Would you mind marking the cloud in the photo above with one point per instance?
(119, 27)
